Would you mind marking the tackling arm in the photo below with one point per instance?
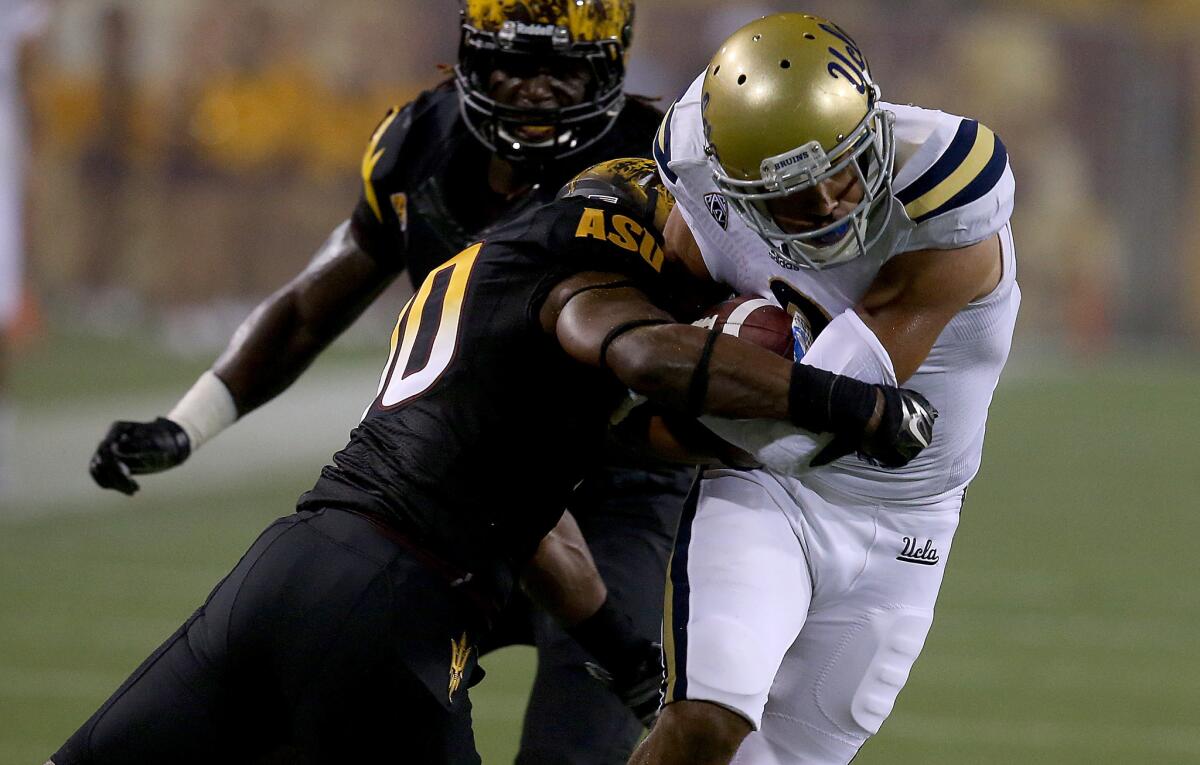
(601, 319)
(659, 358)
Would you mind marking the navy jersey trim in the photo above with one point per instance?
(946, 164)
(662, 147)
(992, 172)
(678, 596)
(967, 170)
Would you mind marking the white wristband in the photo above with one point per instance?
(206, 410)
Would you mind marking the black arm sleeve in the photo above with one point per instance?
(824, 402)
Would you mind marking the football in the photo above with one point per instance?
(755, 320)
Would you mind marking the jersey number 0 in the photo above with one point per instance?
(426, 333)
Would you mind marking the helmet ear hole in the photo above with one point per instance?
(742, 79)
(785, 64)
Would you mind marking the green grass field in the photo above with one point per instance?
(1066, 633)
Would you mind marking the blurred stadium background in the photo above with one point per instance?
(185, 157)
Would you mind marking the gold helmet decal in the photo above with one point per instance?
(581, 40)
(632, 182)
(586, 21)
(796, 78)
(788, 102)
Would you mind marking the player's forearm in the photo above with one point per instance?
(562, 577)
(269, 352)
(286, 333)
(739, 380)
(265, 355)
(563, 580)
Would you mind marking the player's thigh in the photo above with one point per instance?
(180, 705)
(388, 715)
(738, 593)
(163, 713)
(381, 671)
(841, 678)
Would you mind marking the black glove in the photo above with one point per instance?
(641, 690)
(136, 448)
(904, 430)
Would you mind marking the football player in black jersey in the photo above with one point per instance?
(349, 631)
(536, 97)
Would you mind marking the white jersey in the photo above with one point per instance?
(952, 187)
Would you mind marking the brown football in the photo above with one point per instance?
(753, 319)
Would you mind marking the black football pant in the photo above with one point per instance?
(629, 519)
(328, 643)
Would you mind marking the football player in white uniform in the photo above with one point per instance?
(801, 594)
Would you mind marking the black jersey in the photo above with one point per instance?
(425, 192)
(483, 424)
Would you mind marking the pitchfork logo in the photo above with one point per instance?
(719, 209)
(460, 653)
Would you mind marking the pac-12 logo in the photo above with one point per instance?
(851, 64)
(719, 208)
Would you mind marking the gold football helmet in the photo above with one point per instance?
(525, 35)
(788, 103)
(632, 182)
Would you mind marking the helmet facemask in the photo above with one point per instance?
(561, 131)
(869, 150)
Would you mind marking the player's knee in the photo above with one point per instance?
(699, 732)
(859, 686)
(733, 657)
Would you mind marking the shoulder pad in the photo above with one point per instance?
(680, 136)
(390, 152)
(679, 151)
(383, 144)
(955, 183)
(593, 234)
